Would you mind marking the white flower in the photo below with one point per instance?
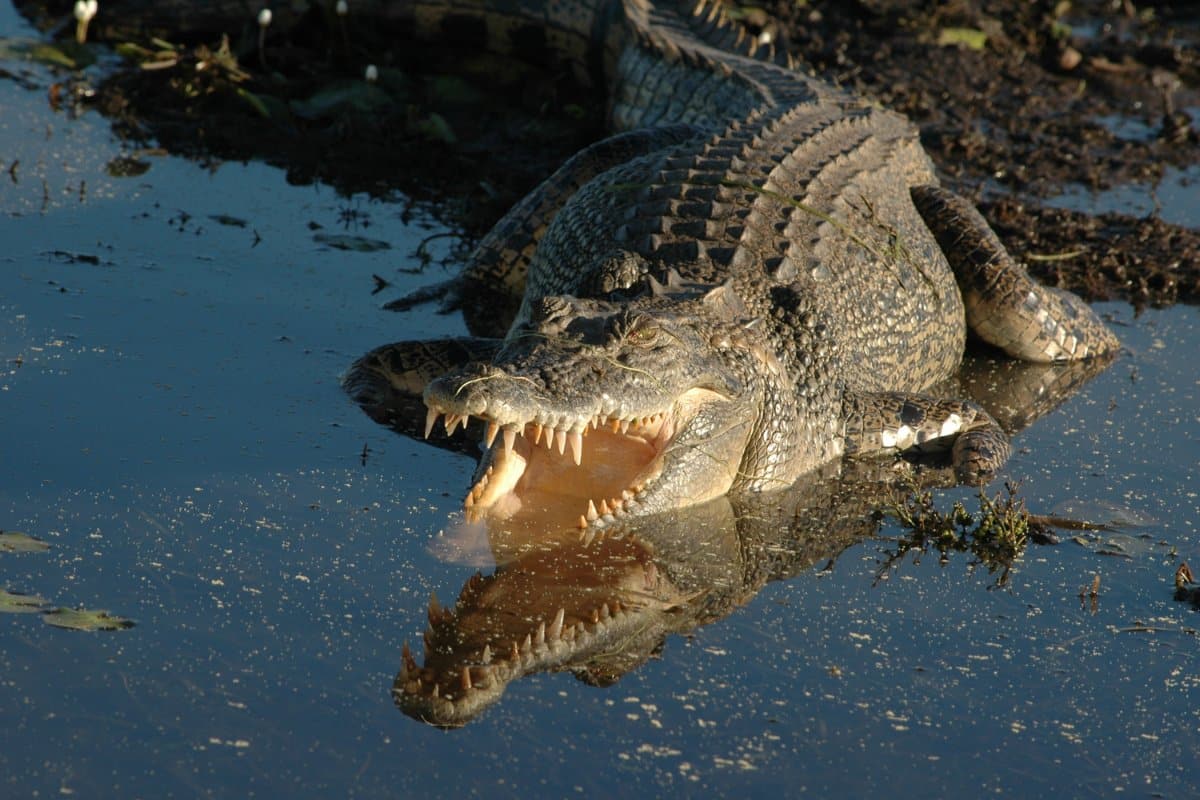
(342, 8)
(372, 73)
(264, 18)
(86, 9)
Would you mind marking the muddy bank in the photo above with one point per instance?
(1019, 102)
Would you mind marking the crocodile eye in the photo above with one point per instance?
(643, 332)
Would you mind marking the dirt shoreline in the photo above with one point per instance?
(1017, 102)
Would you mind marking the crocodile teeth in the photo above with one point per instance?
(576, 442)
(492, 429)
(560, 440)
(486, 655)
(537, 432)
(483, 677)
(540, 638)
(592, 514)
(510, 438)
(556, 627)
(410, 664)
(435, 610)
(431, 417)
(466, 678)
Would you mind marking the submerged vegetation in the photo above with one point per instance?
(996, 535)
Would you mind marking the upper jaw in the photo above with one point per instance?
(554, 430)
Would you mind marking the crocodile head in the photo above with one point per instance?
(597, 409)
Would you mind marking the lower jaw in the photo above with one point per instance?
(530, 487)
(533, 510)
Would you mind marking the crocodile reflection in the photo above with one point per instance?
(603, 604)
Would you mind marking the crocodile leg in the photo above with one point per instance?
(1005, 307)
(491, 285)
(902, 422)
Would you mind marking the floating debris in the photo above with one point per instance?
(83, 619)
(17, 542)
(17, 603)
(357, 244)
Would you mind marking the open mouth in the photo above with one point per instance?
(577, 471)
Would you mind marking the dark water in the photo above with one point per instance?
(172, 425)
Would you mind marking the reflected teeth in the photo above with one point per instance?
(556, 627)
(409, 667)
(507, 661)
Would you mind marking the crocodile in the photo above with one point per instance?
(757, 274)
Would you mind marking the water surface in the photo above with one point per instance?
(173, 426)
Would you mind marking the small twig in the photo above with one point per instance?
(1064, 256)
